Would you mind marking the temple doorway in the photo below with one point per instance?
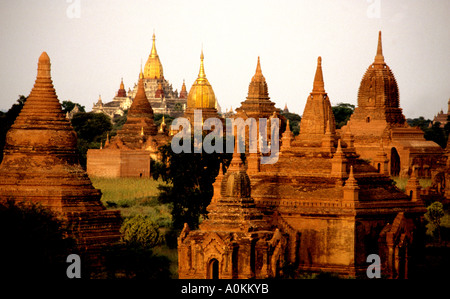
(213, 269)
(395, 162)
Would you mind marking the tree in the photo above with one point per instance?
(7, 119)
(68, 106)
(342, 113)
(140, 231)
(190, 177)
(294, 122)
(434, 213)
(91, 129)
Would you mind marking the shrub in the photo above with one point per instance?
(140, 231)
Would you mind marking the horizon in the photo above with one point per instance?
(92, 45)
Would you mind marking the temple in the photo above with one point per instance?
(319, 208)
(378, 124)
(201, 97)
(159, 92)
(129, 153)
(41, 165)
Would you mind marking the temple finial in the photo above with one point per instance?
(153, 52)
(319, 85)
(379, 58)
(201, 73)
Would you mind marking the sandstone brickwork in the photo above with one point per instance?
(41, 165)
(319, 208)
(379, 117)
(128, 154)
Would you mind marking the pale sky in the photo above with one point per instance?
(92, 44)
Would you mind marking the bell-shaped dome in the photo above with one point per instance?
(41, 124)
(378, 90)
(201, 94)
(153, 68)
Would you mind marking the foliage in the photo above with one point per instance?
(294, 122)
(432, 132)
(158, 119)
(434, 213)
(91, 129)
(34, 242)
(342, 113)
(140, 231)
(68, 106)
(118, 122)
(7, 119)
(190, 177)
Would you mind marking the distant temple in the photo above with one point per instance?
(442, 117)
(159, 92)
(129, 153)
(380, 129)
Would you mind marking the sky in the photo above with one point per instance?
(92, 44)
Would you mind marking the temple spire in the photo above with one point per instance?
(258, 73)
(319, 85)
(153, 52)
(201, 73)
(379, 58)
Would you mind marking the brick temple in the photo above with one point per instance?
(319, 208)
(379, 126)
(129, 153)
(41, 165)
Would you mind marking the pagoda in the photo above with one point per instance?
(41, 165)
(378, 117)
(128, 154)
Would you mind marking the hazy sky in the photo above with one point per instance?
(93, 44)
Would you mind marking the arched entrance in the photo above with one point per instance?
(395, 162)
(213, 269)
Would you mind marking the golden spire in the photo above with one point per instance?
(153, 52)
(201, 73)
(318, 85)
(141, 74)
(121, 84)
(201, 94)
(379, 58)
(153, 68)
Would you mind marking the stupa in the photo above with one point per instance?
(41, 165)
(326, 210)
(235, 241)
(128, 154)
(378, 116)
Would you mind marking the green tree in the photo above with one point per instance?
(140, 231)
(434, 214)
(436, 133)
(189, 177)
(294, 122)
(91, 129)
(342, 113)
(68, 106)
